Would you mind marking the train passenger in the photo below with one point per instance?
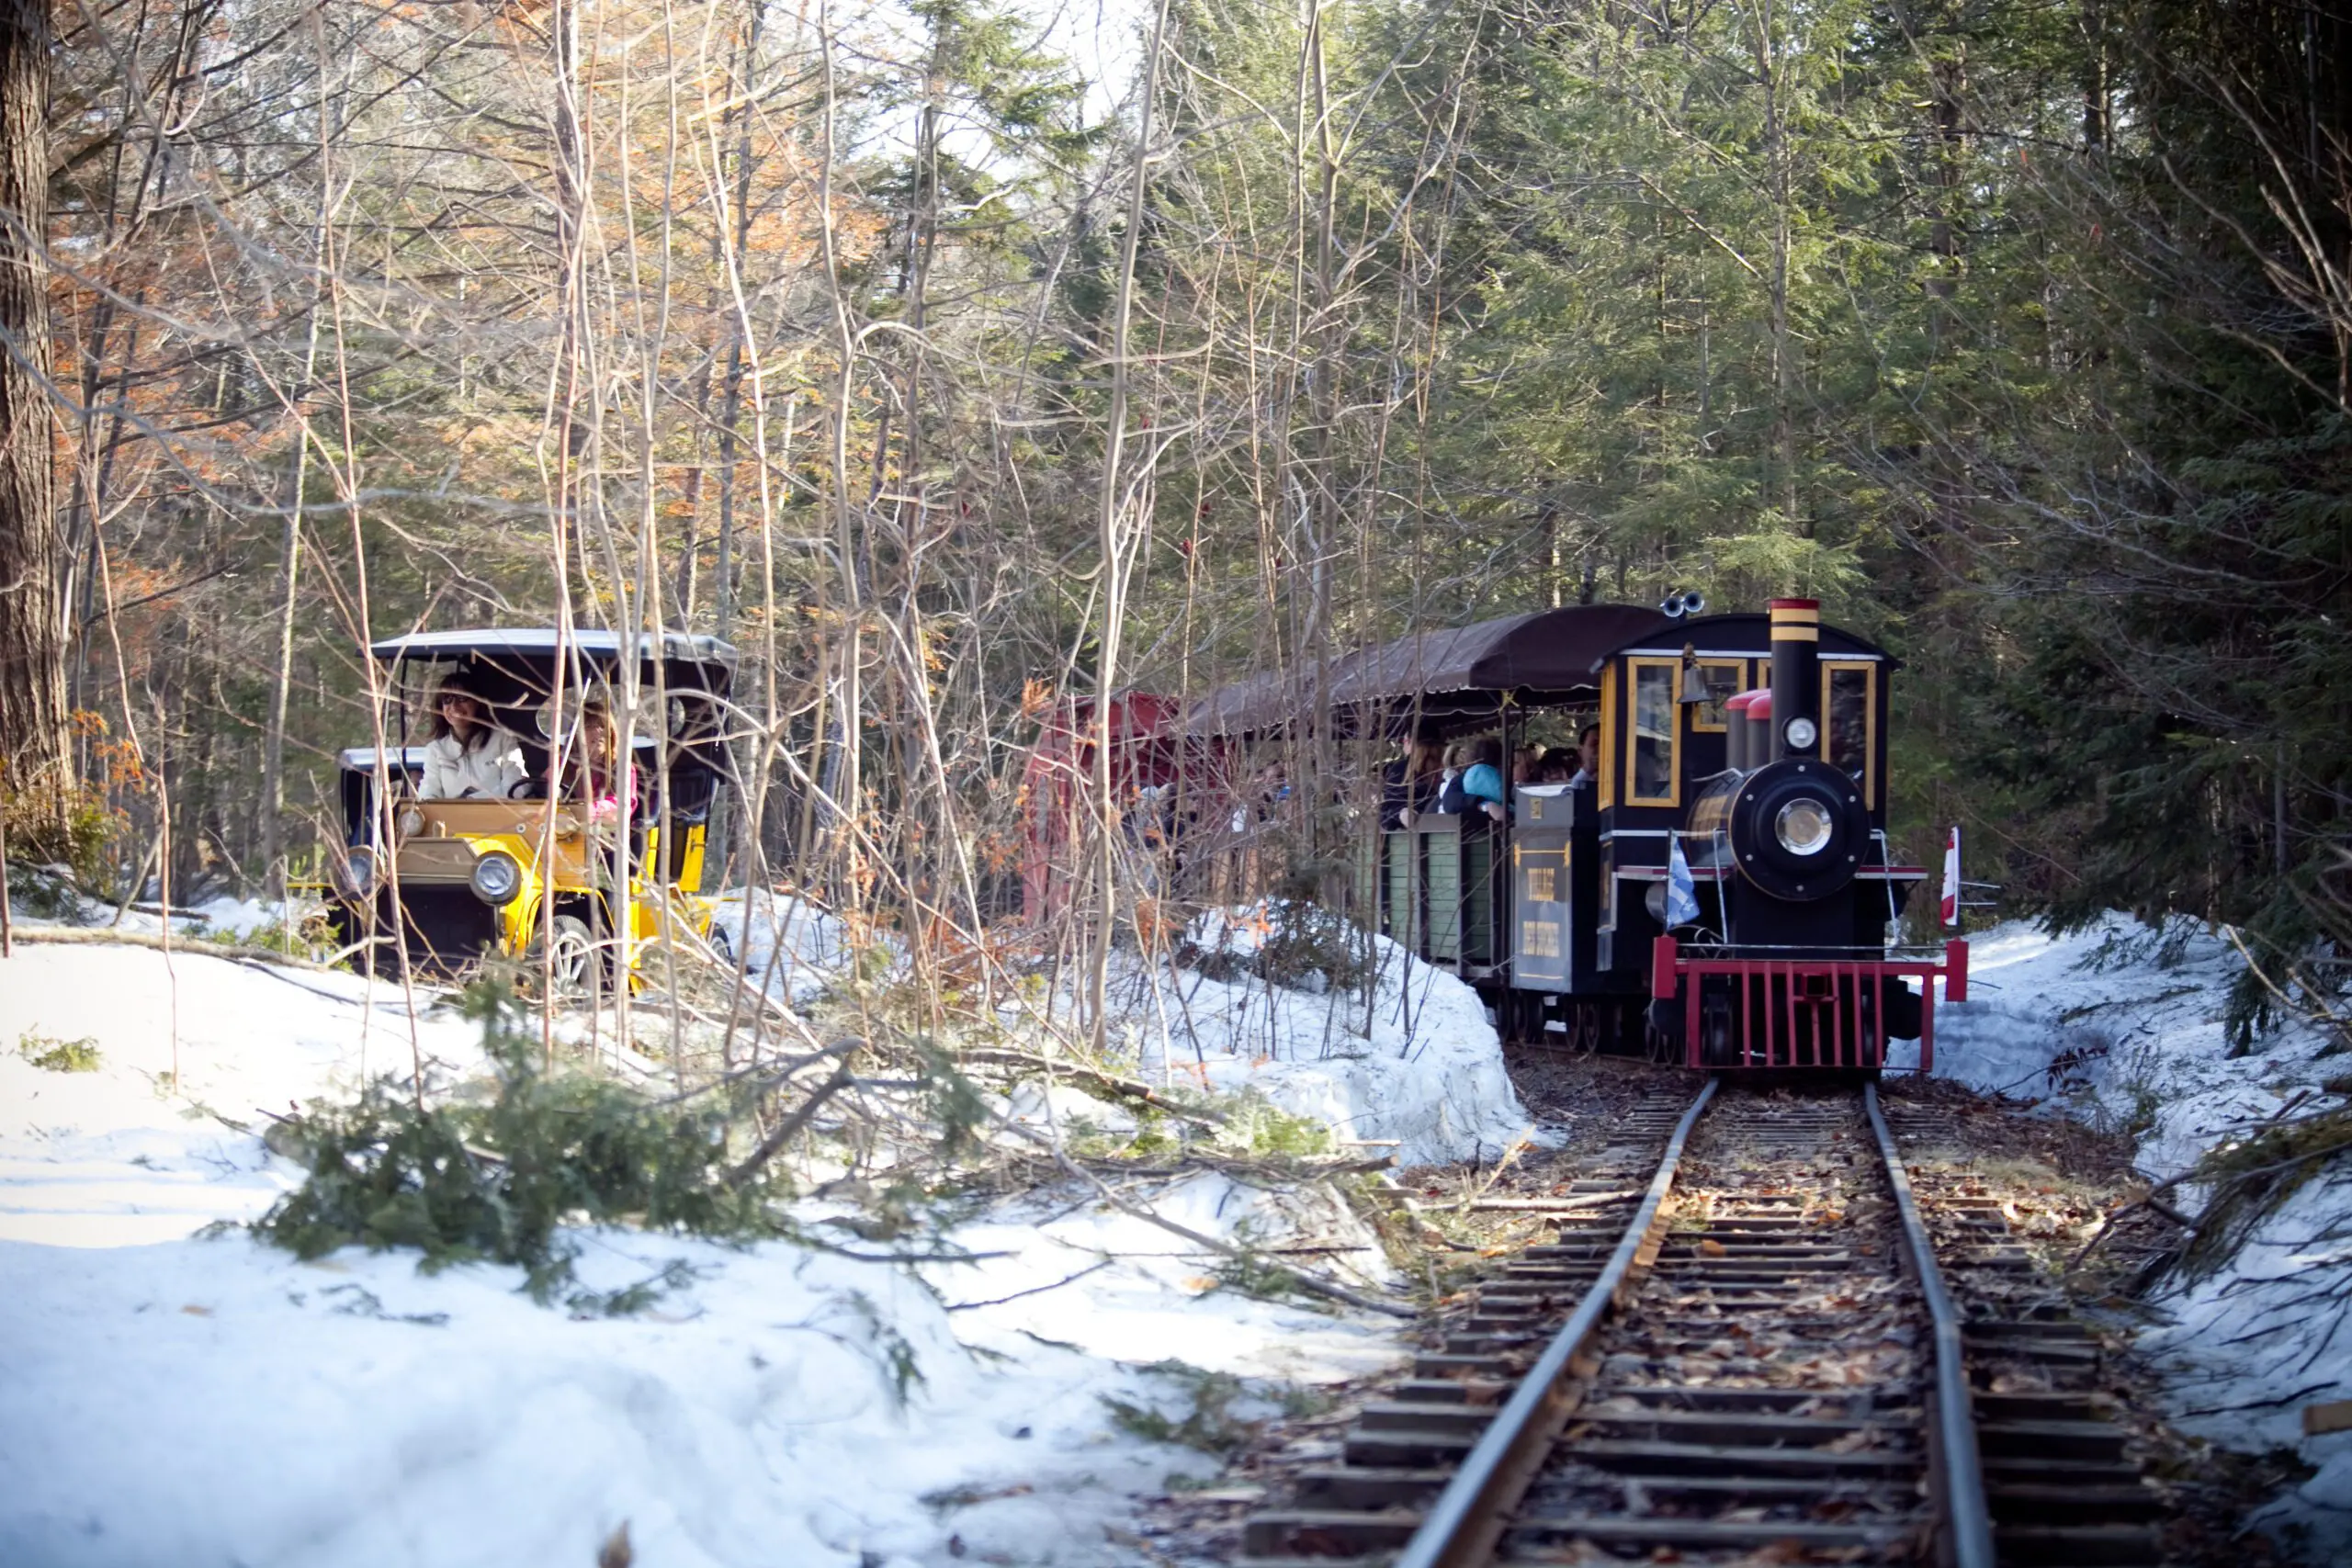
(467, 755)
(1409, 784)
(1587, 773)
(1451, 801)
(1483, 780)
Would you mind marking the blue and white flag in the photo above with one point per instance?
(1681, 893)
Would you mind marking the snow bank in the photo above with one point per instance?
(2122, 1026)
(240, 917)
(173, 1399)
(1420, 1068)
(114, 1156)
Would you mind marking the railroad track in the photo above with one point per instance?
(1750, 1355)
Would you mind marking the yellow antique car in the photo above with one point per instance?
(551, 853)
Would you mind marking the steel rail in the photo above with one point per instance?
(1958, 1475)
(1465, 1523)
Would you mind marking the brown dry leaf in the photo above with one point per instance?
(1854, 1442)
(195, 1311)
(1712, 1248)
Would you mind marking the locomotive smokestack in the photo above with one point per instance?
(1796, 677)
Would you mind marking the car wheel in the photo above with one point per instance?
(571, 957)
(721, 944)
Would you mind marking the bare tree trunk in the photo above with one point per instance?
(35, 759)
(1114, 552)
(273, 767)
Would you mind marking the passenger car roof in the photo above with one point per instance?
(1453, 677)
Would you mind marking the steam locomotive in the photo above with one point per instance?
(1723, 890)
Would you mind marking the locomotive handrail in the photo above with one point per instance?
(1460, 1528)
(1958, 1478)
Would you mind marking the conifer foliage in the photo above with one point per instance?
(463, 1179)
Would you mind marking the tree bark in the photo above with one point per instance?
(35, 761)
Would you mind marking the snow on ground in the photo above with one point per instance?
(167, 1398)
(2132, 1019)
(1418, 1069)
(787, 944)
(115, 1157)
(2121, 1026)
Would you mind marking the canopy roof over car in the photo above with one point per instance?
(1446, 680)
(685, 659)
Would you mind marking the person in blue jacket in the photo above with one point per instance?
(1482, 782)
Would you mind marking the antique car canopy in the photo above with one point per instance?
(711, 661)
(1447, 680)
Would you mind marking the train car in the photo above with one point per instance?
(1723, 891)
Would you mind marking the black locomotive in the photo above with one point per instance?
(1723, 888)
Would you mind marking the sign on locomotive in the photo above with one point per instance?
(1720, 881)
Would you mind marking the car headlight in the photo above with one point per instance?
(1802, 733)
(359, 871)
(1804, 826)
(497, 878)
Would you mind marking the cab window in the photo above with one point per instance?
(1849, 719)
(1724, 678)
(1651, 773)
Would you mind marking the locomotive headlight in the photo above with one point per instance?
(497, 878)
(1804, 826)
(410, 823)
(1802, 733)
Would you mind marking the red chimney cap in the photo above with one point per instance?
(1796, 603)
(1757, 703)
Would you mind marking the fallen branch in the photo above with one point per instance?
(1132, 1089)
(843, 1076)
(79, 936)
(1312, 1284)
(1034, 1289)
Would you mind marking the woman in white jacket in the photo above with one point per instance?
(467, 757)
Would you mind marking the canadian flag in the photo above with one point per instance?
(1951, 878)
